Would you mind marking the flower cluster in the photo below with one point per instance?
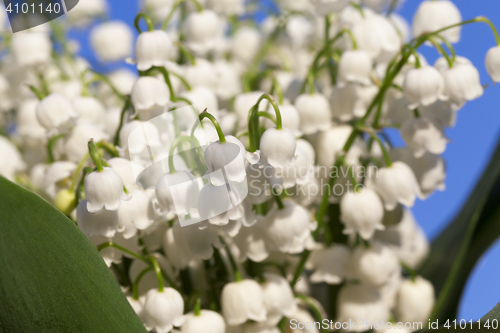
(314, 86)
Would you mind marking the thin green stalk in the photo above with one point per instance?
(442, 51)
(184, 82)
(37, 92)
(166, 77)
(94, 154)
(190, 57)
(214, 121)
(77, 172)
(135, 286)
(146, 19)
(385, 153)
(314, 309)
(103, 78)
(266, 115)
(127, 104)
(278, 200)
(157, 269)
(234, 266)
(50, 147)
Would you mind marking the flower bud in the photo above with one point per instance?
(277, 147)
(55, 113)
(355, 66)
(361, 212)
(415, 301)
(314, 111)
(207, 321)
(435, 15)
(65, 201)
(103, 190)
(112, 41)
(241, 301)
(163, 310)
(423, 86)
(492, 63)
(153, 48)
(103, 222)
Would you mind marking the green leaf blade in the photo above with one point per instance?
(52, 279)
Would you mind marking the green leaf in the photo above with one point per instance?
(456, 250)
(52, 279)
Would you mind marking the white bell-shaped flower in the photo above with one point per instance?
(202, 73)
(203, 29)
(90, 109)
(183, 244)
(253, 241)
(397, 183)
(55, 113)
(103, 222)
(152, 48)
(302, 322)
(423, 86)
(241, 301)
(132, 140)
(422, 134)
(289, 229)
(27, 123)
(415, 301)
(56, 176)
(492, 63)
(136, 214)
(329, 265)
(435, 15)
(163, 310)
(75, 144)
(245, 44)
(112, 40)
(278, 298)
(462, 83)
(103, 190)
(82, 14)
(355, 66)
(361, 301)
(429, 169)
(150, 96)
(227, 207)
(183, 186)
(351, 100)
(10, 159)
(314, 111)
(361, 212)
(297, 174)
(207, 321)
(377, 36)
(225, 163)
(277, 147)
(373, 265)
(31, 48)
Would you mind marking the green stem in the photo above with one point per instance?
(108, 147)
(197, 304)
(50, 147)
(387, 158)
(135, 286)
(442, 51)
(214, 121)
(449, 46)
(358, 8)
(277, 90)
(37, 92)
(166, 77)
(416, 113)
(184, 82)
(190, 57)
(266, 115)
(177, 142)
(278, 200)
(94, 154)
(127, 104)
(314, 309)
(146, 19)
(157, 270)
(409, 270)
(300, 267)
(234, 266)
(492, 27)
(77, 171)
(352, 38)
(105, 79)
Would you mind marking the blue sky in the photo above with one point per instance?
(472, 141)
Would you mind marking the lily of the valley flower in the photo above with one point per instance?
(104, 190)
(163, 310)
(152, 48)
(206, 321)
(492, 63)
(314, 111)
(415, 300)
(241, 301)
(277, 147)
(55, 113)
(423, 86)
(112, 40)
(422, 134)
(150, 96)
(102, 222)
(362, 212)
(435, 15)
(355, 66)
